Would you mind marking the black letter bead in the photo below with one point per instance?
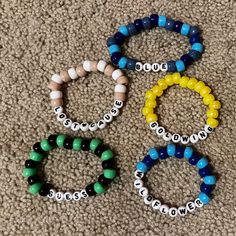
(45, 190)
(68, 143)
(90, 190)
(99, 150)
(108, 164)
(103, 180)
(52, 139)
(34, 179)
(85, 144)
(31, 164)
(37, 148)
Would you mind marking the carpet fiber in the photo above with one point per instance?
(39, 38)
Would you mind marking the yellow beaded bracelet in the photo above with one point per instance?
(185, 82)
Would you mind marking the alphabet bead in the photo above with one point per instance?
(108, 118)
(160, 131)
(182, 211)
(61, 117)
(84, 126)
(114, 111)
(68, 196)
(58, 110)
(156, 204)
(147, 67)
(194, 138)
(208, 129)
(164, 209)
(83, 193)
(76, 196)
(190, 206)
(51, 193)
(176, 138)
(138, 183)
(138, 174)
(93, 127)
(59, 196)
(75, 126)
(118, 104)
(101, 124)
(163, 67)
(167, 136)
(143, 192)
(148, 199)
(139, 66)
(198, 203)
(67, 123)
(202, 135)
(185, 139)
(155, 67)
(173, 212)
(153, 125)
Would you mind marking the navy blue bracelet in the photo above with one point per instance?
(204, 170)
(114, 44)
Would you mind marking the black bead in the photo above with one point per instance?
(119, 37)
(90, 190)
(37, 148)
(68, 143)
(52, 140)
(154, 19)
(44, 191)
(31, 164)
(115, 57)
(163, 153)
(177, 26)
(99, 150)
(138, 25)
(179, 152)
(108, 164)
(33, 179)
(103, 180)
(85, 144)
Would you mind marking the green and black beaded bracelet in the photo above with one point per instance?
(40, 151)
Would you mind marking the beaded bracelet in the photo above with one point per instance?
(179, 152)
(185, 82)
(114, 44)
(40, 151)
(81, 71)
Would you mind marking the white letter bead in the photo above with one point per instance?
(153, 125)
(83, 193)
(164, 67)
(147, 67)
(118, 104)
(120, 88)
(67, 123)
(108, 118)
(84, 126)
(72, 73)
(156, 204)
(138, 174)
(76, 196)
(138, 183)
(173, 212)
(51, 193)
(58, 110)
(56, 94)
(102, 124)
(57, 79)
(87, 66)
(59, 196)
(164, 209)
(160, 131)
(198, 203)
(190, 206)
(182, 211)
(155, 67)
(75, 126)
(93, 127)
(148, 199)
(185, 139)
(143, 192)
(167, 136)
(114, 111)
(194, 138)
(61, 117)
(138, 66)
(101, 65)
(202, 135)
(68, 196)
(116, 74)
(176, 138)
(208, 129)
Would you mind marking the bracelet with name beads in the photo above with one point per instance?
(185, 82)
(40, 151)
(204, 170)
(56, 94)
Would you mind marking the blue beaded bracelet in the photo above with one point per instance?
(204, 170)
(114, 44)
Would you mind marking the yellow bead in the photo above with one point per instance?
(215, 105)
(198, 86)
(208, 99)
(151, 103)
(169, 80)
(204, 91)
(212, 113)
(150, 95)
(191, 83)
(162, 83)
(176, 77)
(184, 81)
(147, 110)
(157, 90)
(151, 118)
(213, 123)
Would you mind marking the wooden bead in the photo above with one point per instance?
(109, 70)
(94, 66)
(80, 71)
(57, 102)
(120, 96)
(122, 80)
(54, 86)
(65, 76)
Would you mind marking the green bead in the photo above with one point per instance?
(35, 188)
(108, 154)
(98, 188)
(95, 143)
(109, 173)
(35, 156)
(27, 172)
(77, 144)
(60, 140)
(45, 145)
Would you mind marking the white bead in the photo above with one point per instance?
(138, 174)
(160, 130)
(102, 124)
(58, 110)
(83, 193)
(101, 65)
(87, 65)
(138, 66)
(198, 203)
(155, 67)
(208, 129)
(153, 125)
(51, 193)
(61, 117)
(93, 127)
(194, 138)
(116, 74)
(202, 135)
(164, 209)
(72, 73)
(173, 212)
(56, 94)
(164, 67)
(75, 126)
(138, 183)
(84, 126)
(185, 139)
(190, 206)
(59, 196)
(167, 136)
(68, 196)
(147, 67)
(76, 196)
(148, 199)
(182, 211)
(118, 104)
(156, 204)
(176, 138)
(143, 192)
(67, 123)
(114, 111)
(108, 118)
(120, 88)
(56, 78)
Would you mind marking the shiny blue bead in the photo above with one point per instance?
(194, 54)
(153, 153)
(161, 21)
(210, 180)
(194, 30)
(131, 64)
(197, 47)
(154, 20)
(193, 160)
(180, 66)
(113, 48)
(141, 167)
(122, 62)
(171, 149)
(185, 29)
(204, 198)
(115, 57)
(119, 37)
(195, 39)
(188, 152)
(171, 66)
(146, 23)
(179, 152)
(111, 41)
(206, 171)
(124, 30)
(187, 60)
(138, 23)
(177, 26)
(163, 153)
(207, 189)
(202, 163)
(148, 161)
(131, 28)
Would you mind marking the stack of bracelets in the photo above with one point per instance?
(114, 44)
(179, 152)
(40, 151)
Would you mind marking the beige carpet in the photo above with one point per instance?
(38, 38)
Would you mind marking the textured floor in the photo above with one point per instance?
(38, 38)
